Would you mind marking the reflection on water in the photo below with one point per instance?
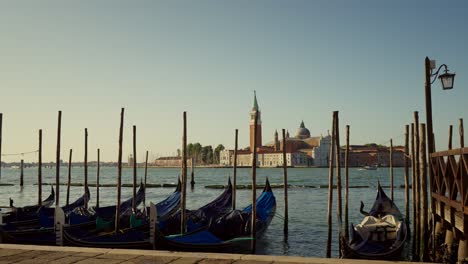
(307, 206)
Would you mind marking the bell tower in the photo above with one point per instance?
(255, 109)
(276, 146)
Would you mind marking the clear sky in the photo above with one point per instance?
(160, 58)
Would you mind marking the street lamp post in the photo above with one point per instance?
(447, 80)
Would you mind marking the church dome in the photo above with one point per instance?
(302, 131)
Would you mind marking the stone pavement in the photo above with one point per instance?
(26, 254)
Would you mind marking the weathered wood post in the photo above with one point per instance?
(192, 173)
(39, 171)
(450, 137)
(86, 167)
(119, 173)
(253, 226)
(463, 242)
(338, 177)
(405, 159)
(285, 184)
(98, 169)
(346, 221)
(184, 177)
(414, 194)
(330, 189)
(69, 176)
(146, 176)
(425, 203)
(57, 161)
(234, 172)
(22, 174)
(391, 170)
(418, 184)
(1, 132)
(134, 205)
(462, 137)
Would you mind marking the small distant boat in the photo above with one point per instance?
(373, 167)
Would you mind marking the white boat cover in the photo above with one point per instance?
(378, 229)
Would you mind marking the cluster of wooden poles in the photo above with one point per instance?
(57, 173)
(415, 156)
(335, 163)
(119, 172)
(423, 226)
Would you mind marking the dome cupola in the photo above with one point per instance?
(302, 132)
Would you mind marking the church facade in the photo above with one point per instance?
(302, 150)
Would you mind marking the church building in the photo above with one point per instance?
(302, 150)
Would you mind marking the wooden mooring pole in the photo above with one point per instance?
(338, 176)
(134, 205)
(253, 226)
(98, 169)
(234, 171)
(1, 132)
(413, 194)
(69, 176)
(39, 170)
(425, 203)
(57, 161)
(146, 176)
(22, 174)
(86, 167)
(330, 190)
(285, 185)
(184, 176)
(346, 221)
(418, 185)
(119, 173)
(405, 160)
(192, 173)
(391, 170)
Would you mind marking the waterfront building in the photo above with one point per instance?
(375, 155)
(130, 160)
(302, 150)
(172, 161)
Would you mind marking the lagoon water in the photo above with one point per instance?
(307, 206)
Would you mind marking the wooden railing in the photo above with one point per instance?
(450, 186)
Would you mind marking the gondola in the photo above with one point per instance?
(27, 212)
(44, 216)
(228, 234)
(201, 217)
(381, 234)
(133, 236)
(44, 233)
(82, 215)
(35, 231)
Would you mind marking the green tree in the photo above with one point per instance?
(207, 154)
(217, 150)
(197, 149)
(189, 150)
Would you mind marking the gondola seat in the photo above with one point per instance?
(378, 229)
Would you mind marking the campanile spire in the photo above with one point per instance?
(255, 110)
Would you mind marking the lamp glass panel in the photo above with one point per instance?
(447, 81)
